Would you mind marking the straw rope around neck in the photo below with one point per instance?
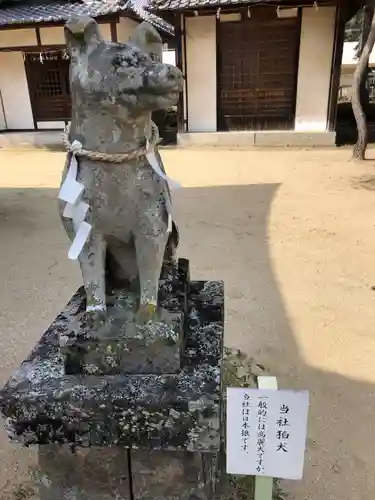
(78, 150)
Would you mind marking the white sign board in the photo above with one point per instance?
(266, 432)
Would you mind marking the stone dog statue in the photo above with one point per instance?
(125, 204)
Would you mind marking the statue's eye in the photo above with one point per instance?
(154, 57)
(131, 59)
(118, 61)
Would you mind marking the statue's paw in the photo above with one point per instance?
(95, 320)
(146, 313)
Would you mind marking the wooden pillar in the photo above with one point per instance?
(38, 38)
(179, 24)
(114, 31)
(338, 48)
(185, 73)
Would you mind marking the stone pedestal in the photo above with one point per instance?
(85, 474)
(126, 413)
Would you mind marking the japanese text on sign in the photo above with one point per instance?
(245, 422)
(266, 432)
(261, 429)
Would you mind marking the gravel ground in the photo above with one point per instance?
(292, 233)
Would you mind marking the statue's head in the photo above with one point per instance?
(120, 78)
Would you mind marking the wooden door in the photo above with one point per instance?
(48, 81)
(257, 72)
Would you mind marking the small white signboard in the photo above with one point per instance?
(266, 432)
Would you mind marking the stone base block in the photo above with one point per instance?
(85, 474)
(121, 346)
(122, 474)
(152, 348)
(163, 475)
(181, 411)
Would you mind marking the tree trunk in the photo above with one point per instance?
(359, 81)
(368, 15)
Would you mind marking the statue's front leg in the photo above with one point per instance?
(150, 255)
(92, 262)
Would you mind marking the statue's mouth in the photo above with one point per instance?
(172, 92)
(171, 96)
(170, 84)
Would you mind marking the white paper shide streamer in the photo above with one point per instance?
(153, 161)
(75, 209)
(71, 192)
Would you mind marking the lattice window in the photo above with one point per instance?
(50, 85)
(48, 80)
(257, 73)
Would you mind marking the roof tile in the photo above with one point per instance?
(165, 5)
(55, 11)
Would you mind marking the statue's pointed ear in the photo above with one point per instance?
(146, 38)
(82, 33)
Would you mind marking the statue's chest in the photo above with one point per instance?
(119, 192)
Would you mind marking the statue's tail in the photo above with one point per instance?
(171, 248)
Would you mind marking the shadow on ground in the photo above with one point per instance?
(233, 247)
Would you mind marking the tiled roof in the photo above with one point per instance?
(20, 12)
(160, 5)
(140, 7)
(37, 12)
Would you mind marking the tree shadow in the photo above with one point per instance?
(228, 230)
(364, 182)
(224, 233)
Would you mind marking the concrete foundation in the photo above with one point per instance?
(47, 139)
(52, 140)
(249, 139)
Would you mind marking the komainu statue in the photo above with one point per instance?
(124, 388)
(115, 198)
